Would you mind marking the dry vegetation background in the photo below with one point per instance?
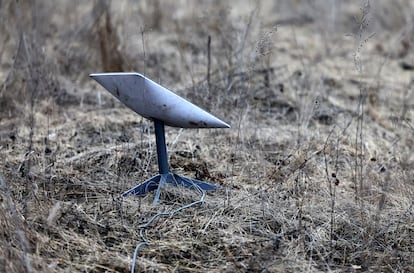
(316, 172)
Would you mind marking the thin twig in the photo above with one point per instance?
(208, 61)
(331, 191)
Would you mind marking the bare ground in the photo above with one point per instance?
(316, 173)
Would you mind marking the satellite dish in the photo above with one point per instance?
(163, 107)
(153, 101)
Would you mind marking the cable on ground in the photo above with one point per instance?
(144, 240)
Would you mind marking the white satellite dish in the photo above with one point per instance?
(164, 107)
(153, 101)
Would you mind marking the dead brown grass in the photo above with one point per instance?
(316, 172)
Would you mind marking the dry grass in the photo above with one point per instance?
(316, 172)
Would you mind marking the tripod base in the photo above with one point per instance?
(156, 182)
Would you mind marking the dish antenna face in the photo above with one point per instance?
(163, 107)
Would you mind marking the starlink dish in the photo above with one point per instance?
(153, 101)
(163, 107)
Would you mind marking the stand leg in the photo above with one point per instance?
(163, 180)
(190, 183)
(146, 186)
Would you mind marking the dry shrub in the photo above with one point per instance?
(108, 39)
(29, 76)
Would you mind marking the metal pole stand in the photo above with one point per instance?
(165, 176)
